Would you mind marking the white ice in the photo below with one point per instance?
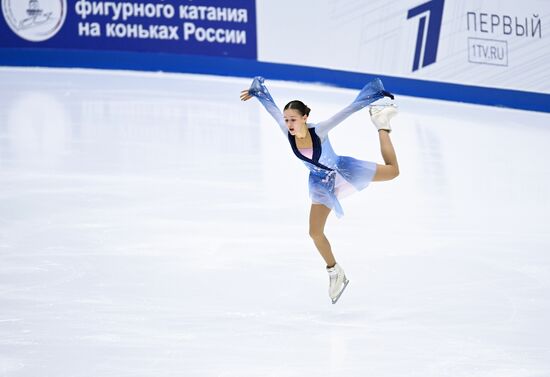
(154, 225)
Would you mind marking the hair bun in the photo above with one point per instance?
(299, 106)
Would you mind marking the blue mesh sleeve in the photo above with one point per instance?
(259, 90)
(371, 92)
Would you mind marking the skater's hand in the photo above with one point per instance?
(245, 96)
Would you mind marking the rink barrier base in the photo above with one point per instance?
(273, 71)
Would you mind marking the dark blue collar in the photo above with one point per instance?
(316, 149)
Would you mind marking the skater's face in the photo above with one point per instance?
(295, 122)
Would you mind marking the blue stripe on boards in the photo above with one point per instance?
(249, 68)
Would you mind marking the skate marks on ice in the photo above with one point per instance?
(152, 224)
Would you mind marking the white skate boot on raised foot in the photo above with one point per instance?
(338, 282)
(381, 115)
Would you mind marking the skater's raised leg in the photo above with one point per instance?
(390, 170)
(381, 119)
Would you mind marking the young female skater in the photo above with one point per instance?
(331, 176)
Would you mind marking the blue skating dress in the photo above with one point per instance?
(331, 176)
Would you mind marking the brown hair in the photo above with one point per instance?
(299, 106)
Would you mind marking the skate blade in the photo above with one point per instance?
(374, 105)
(335, 300)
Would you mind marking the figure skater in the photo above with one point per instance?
(331, 176)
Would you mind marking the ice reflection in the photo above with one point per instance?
(154, 225)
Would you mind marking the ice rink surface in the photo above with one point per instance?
(154, 225)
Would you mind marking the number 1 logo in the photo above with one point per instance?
(427, 37)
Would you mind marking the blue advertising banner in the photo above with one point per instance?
(225, 28)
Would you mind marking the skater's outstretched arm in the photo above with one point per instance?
(259, 90)
(371, 92)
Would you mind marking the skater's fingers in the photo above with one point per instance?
(245, 96)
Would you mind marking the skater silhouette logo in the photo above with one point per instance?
(35, 20)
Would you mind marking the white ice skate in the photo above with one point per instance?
(381, 115)
(338, 282)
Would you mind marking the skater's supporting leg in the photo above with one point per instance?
(391, 169)
(317, 220)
